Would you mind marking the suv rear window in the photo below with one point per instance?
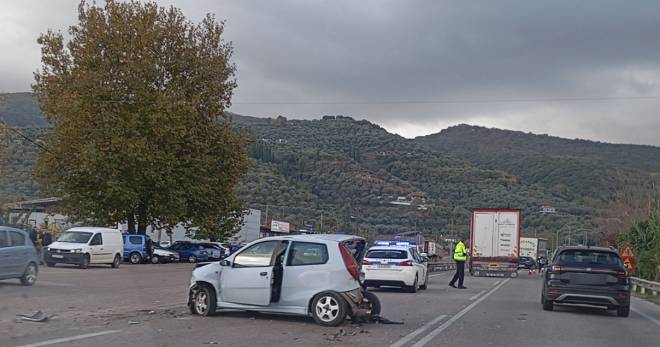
(136, 240)
(589, 258)
(387, 254)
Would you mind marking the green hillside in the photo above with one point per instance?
(337, 173)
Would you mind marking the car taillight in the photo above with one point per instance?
(349, 261)
(555, 269)
(406, 263)
(365, 262)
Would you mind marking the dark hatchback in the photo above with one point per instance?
(592, 276)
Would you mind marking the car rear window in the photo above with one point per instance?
(589, 258)
(387, 254)
(306, 253)
(136, 240)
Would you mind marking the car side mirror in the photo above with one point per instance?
(225, 263)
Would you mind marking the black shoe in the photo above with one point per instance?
(462, 287)
(452, 285)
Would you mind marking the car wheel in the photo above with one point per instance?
(155, 259)
(29, 275)
(415, 286)
(192, 259)
(116, 261)
(203, 300)
(426, 282)
(623, 311)
(373, 301)
(547, 304)
(84, 263)
(135, 258)
(50, 264)
(329, 309)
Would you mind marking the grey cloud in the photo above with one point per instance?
(303, 51)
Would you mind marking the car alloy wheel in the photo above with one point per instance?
(155, 259)
(203, 300)
(135, 258)
(192, 259)
(327, 309)
(30, 275)
(85, 261)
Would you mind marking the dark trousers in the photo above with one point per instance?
(460, 273)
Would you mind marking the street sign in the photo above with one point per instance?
(279, 227)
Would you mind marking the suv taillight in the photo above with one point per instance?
(349, 261)
(406, 263)
(365, 262)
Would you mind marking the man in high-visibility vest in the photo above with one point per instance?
(460, 256)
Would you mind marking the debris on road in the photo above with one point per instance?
(132, 322)
(38, 317)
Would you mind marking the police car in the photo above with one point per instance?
(395, 264)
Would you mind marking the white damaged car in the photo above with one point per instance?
(310, 275)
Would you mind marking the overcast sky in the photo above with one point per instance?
(416, 67)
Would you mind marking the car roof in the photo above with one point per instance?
(386, 248)
(4, 228)
(587, 248)
(316, 237)
(93, 229)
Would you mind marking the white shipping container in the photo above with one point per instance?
(495, 233)
(529, 247)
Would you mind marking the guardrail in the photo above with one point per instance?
(441, 266)
(644, 285)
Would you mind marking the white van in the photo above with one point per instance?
(86, 245)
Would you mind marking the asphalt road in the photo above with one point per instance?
(143, 305)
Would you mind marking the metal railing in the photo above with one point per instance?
(441, 266)
(644, 285)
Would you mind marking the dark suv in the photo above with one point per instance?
(591, 276)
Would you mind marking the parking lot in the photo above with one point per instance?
(145, 305)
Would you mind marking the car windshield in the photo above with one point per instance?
(589, 258)
(387, 254)
(75, 237)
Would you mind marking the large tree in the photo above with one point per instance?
(136, 98)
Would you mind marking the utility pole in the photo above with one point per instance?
(266, 214)
(569, 235)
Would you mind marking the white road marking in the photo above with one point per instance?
(657, 322)
(435, 332)
(477, 295)
(496, 282)
(402, 341)
(436, 275)
(67, 339)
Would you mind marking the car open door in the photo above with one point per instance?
(249, 278)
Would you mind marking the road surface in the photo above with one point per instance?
(142, 305)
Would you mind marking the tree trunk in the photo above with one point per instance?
(142, 219)
(131, 223)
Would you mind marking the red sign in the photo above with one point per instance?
(628, 255)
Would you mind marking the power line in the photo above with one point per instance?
(6, 126)
(452, 101)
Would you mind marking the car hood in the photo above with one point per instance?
(66, 245)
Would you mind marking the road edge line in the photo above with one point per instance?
(435, 332)
(402, 341)
(477, 295)
(68, 339)
(657, 322)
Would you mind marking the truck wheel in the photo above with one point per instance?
(329, 309)
(135, 258)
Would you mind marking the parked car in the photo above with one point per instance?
(86, 245)
(526, 263)
(18, 256)
(135, 248)
(583, 275)
(215, 251)
(399, 266)
(315, 275)
(190, 252)
(164, 255)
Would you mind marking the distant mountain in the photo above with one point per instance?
(338, 173)
(21, 110)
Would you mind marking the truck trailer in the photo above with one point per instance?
(495, 242)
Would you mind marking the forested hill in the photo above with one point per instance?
(338, 173)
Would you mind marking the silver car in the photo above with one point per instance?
(18, 257)
(315, 275)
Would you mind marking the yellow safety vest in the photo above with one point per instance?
(459, 251)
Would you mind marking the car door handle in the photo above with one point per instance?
(263, 273)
